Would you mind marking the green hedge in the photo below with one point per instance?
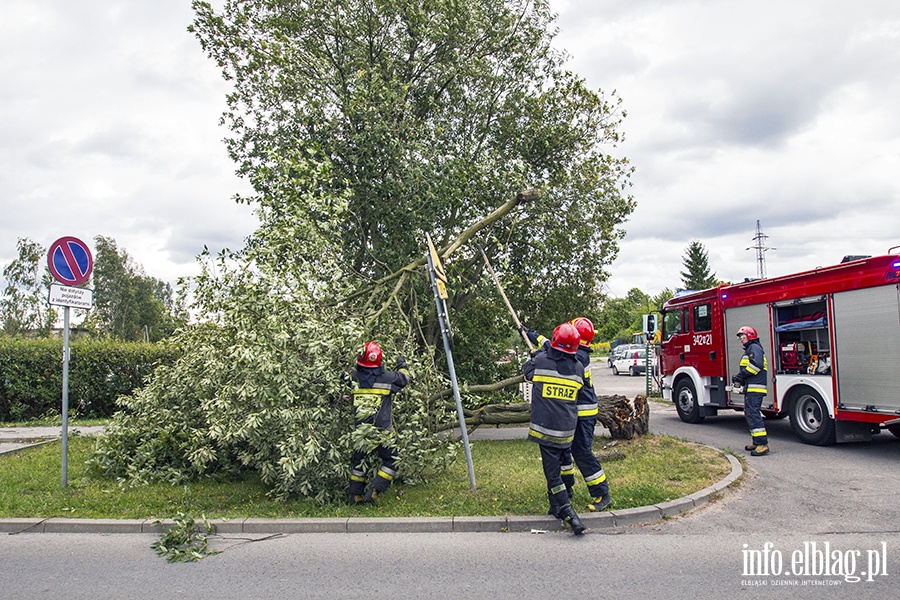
(100, 370)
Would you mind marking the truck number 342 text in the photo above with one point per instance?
(703, 339)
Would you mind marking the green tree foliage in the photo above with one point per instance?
(128, 304)
(621, 317)
(434, 113)
(23, 306)
(697, 275)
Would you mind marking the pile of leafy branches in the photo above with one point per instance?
(262, 383)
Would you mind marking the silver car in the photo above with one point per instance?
(634, 362)
(619, 351)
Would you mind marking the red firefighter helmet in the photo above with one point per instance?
(370, 356)
(565, 338)
(585, 330)
(748, 331)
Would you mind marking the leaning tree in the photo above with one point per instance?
(363, 125)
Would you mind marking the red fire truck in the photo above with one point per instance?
(832, 342)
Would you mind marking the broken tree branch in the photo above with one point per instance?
(461, 239)
(487, 387)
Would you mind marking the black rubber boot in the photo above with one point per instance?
(600, 503)
(567, 514)
(371, 496)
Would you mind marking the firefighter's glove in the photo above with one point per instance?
(737, 380)
(401, 363)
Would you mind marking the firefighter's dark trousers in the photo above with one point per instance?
(552, 460)
(752, 404)
(587, 462)
(385, 475)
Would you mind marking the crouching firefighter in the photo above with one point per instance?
(556, 376)
(372, 389)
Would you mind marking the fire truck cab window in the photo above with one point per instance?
(702, 318)
(673, 323)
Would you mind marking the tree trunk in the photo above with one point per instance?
(624, 419)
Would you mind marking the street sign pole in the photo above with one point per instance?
(441, 306)
(65, 399)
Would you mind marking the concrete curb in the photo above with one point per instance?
(604, 520)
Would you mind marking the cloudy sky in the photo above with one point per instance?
(786, 113)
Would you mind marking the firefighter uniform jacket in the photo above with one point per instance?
(372, 394)
(753, 368)
(556, 378)
(587, 397)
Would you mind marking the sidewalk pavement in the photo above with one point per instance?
(13, 439)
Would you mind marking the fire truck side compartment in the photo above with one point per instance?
(867, 348)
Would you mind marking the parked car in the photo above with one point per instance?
(634, 362)
(619, 351)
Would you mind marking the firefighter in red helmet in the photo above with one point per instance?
(581, 452)
(582, 446)
(556, 376)
(372, 390)
(753, 377)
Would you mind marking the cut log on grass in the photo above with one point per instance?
(624, 418)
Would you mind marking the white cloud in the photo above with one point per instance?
(738, 112)
(783, 112)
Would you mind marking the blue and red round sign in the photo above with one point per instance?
(70, 261)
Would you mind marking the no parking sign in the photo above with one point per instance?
(70, 261)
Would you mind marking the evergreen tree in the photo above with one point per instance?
(696, 275)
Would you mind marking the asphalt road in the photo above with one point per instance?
(806, 522)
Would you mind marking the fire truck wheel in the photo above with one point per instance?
(686, 401)
(810, 419)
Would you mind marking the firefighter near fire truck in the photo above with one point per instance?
(831, 336)
(556, 376)
(752, 378)
(372, 388)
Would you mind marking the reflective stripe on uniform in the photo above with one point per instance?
(386, 473)
(373, 391)
(758, 432)
(595, 479)
(758, 389)
(555, 377)
(568, 469)
(588, 410)
(549, 435)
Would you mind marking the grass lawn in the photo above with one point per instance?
(508, 476)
